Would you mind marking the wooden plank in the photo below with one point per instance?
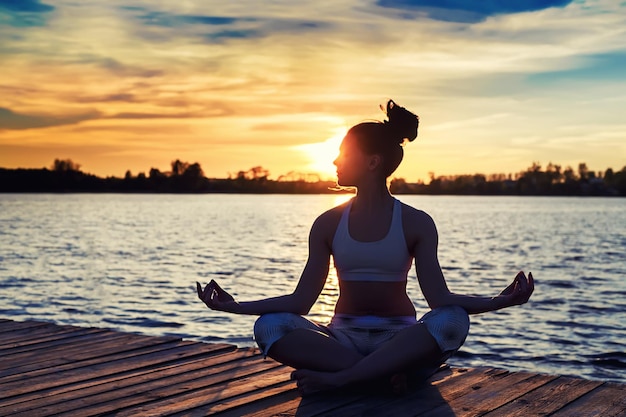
(85, 344)
(268, 405)
(492, 395)
(100, 344)
(150, 356)
(14, 326)
(607, 400)
(92, 382)
(201, 392)
(281, 391)
(47, 342)
(126, 390)
(546, 399)
(22, 344)
(452, 384)
(137, 353)
(27, 336)
(438, 393)
(342, 402)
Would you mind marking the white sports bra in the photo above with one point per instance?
(385, 260)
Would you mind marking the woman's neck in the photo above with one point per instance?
(373, 196)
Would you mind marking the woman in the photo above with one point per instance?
(373, 240)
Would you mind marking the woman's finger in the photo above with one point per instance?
(208, 292)
(522, 281)
(199, 289)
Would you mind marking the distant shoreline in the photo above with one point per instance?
(534, 182)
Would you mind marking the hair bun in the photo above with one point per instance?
(402, 123)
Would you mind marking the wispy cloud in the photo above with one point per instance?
(11, 120)
(215, 28)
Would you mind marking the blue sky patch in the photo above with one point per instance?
(465, 11)
(34, 6)
(24, 13)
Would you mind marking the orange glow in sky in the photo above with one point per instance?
(134, 85)
(322, 154)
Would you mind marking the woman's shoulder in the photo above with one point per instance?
(325, 226)
(412, 216)
(329, 219)
(333, 215)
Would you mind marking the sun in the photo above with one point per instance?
(322, 154)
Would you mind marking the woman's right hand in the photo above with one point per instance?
(216, 298)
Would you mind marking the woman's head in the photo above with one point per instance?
(385, 139)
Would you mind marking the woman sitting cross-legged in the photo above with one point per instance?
(373, 239)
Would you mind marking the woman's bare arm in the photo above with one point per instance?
(433, 283)
(304, 296)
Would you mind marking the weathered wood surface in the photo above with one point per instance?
(46, 370)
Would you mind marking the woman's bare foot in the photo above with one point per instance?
(399, 384)
(310, 382)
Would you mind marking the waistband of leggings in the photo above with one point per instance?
(372, 322)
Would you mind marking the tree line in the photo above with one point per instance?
(553, 180)
(66, 176)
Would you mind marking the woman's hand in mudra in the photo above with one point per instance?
(216, 298)
(520, 290)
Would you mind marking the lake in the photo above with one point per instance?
(130, 263)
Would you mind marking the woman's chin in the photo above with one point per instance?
(342, 183)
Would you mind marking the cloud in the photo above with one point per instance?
(158, 18)
(110, 98)
(607, 66)
(138, 115)
(219, 28)
(24, 13)
(464, 11)
(119, 69)
(10, 120)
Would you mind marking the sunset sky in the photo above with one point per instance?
(131, 85)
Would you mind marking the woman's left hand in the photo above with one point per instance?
(520, 290)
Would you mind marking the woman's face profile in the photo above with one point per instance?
(351, 162)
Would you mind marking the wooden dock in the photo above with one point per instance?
(46, 369)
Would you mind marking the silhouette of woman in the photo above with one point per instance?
(373, 239)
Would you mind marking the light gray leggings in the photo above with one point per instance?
(449, 326)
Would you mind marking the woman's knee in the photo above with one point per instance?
(449, 325)
(270, 327)
(272, 322)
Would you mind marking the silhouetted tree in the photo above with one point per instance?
(583, 172)
(64, 165)
(179, 167)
